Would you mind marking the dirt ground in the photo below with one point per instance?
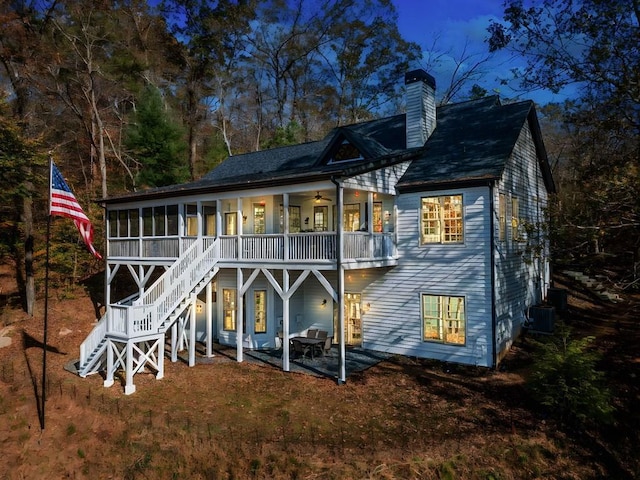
(403, 418)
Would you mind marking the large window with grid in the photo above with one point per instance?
(441, 220)
(229, 308)
(443, 319)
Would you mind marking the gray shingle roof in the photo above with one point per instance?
(471, 143)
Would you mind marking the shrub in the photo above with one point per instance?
(565, 379)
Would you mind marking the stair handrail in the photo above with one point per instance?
(193, 265)
(176, 283)
(94, 338)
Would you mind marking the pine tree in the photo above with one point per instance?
(156, 142)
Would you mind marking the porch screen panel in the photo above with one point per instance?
(159, 221)
(113, 223)
(172, 220)
(191, 215)
(123, 223)
(209, 214)
(134, 222)
(147, 222)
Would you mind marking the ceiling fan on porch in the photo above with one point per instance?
(318, 198)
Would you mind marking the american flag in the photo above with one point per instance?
(63, 203)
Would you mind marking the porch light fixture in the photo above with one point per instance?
(324, 302)
(366, 307)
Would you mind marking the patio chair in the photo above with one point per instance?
(322, 335)
(326, 348)
(299, 349)
(312, 333)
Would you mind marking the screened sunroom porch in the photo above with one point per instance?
(256, 228)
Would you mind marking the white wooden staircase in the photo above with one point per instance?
(130, 337)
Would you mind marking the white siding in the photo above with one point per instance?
(381, 181)
(394, 322)
(521, 275)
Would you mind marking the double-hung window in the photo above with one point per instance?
(443, 319)
(441, 219)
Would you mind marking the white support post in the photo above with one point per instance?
(192, 331)
(200, 219)
(209, 320)
(370, 223)
(239, 229)
(129, 387)
(160, 359)
(239, 316)
(342, 374)
(285, 320)
(174, 342)
(285, 225)
(218, 218)
(108, 381)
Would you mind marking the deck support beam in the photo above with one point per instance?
(239, 316)
(209, 318)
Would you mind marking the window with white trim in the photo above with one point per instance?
(502, 217)
(229, 308)
(515, 219)
(443, 319)
(441, 219)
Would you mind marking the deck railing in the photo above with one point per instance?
(308, 246)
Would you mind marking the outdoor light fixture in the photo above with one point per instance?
(324, 302)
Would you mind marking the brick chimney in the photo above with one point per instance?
(421, 107)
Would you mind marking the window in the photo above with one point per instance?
(320, 218)
(191, 220)
(502, 217)
(230, 223)
(260, 311)
(515, 219)
(441, 219)
(229, 308)
(259, 225)
(377, 217)
(345, 152)
(443, 319)
(351, 217)
(294, 219)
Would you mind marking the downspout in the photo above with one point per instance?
(342, 374)
(494, 354)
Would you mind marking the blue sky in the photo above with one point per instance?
(454, 23)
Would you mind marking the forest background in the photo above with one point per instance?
(126, 95)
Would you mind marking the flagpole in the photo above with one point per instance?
(46, 306)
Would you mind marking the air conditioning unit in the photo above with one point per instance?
(542, 318)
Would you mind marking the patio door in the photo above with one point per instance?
(352, 319)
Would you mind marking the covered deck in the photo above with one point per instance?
(306, 248)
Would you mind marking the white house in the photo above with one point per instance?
(418, 234)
